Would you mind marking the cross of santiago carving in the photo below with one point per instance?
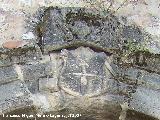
(84, 73)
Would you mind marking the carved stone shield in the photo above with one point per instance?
(84, 72)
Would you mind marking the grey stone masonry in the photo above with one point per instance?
(137, 76)
(48, 85)
(146, 101)
(80, 56)
(8, 74)
(69, 26)
(87, 73)
(20, 55)
(64, 27)
(36, 70)
(143, 60)
(14, 95)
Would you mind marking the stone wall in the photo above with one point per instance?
(29, 76)
(15, 13)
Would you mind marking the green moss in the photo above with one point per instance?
(134, 47)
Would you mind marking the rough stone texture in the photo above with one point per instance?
(79, 26)
(16, 96)
(73, 27)
(20, 56)
(85, 73)
(144, 60)
(48, 84)
(149, 103)
(88, 108)
(149, 80)
(34, 71)
(8, 74)
(138, 75)
(144, 14)
(50, 81)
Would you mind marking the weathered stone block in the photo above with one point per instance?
(48, 84)
(137, 77)
(33, 86)
(20, 55)
(125, 74)
(90, 74)
(14, 95)
(132, 73)
(36, 70)
(149, 80)
(144, 60)
(65, 27)
(8, 74)
(133, 33)
(146, 101)
(118, 89)
(84, 73)
(152, 63)
(50, 101)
